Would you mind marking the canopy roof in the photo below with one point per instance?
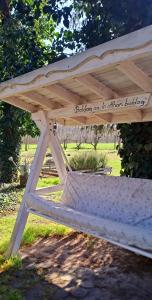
(110, 83)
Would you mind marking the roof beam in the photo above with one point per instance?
(135, 74)
(21, 104)
(120, 105)
(96, 87)
(41, 99)
(129, 117)
(79, 120)
(59, 91)
(147, 115)
(107, 117)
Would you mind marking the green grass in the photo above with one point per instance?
(101, 146)
(114, 162)
(85, 146)
(43, 182)
(36, 227)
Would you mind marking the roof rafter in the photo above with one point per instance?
(147, 115)
(42, 100)
(15, 101)
(107, 117)
(79, 120)
(133, 72)
(96, 86)
(129, 117)
(71, 98)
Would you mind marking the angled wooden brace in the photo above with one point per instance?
(47, 137)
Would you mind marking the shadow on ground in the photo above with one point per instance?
(78, 267)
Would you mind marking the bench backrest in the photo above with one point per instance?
(127, 200)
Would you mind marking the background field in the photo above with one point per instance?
(107, 148)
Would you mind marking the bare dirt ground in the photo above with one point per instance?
(81, 267)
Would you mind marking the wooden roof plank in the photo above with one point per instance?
(96, 86)
(106, 117)
(41, 100)
(80, 120)
(130, 117)
(65, 94)
(134, 73)
(22, 104)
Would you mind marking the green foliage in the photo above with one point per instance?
(24, 30)
(88, 161)
(10, 196)
(103, 20)
(136, 150)
(10, 141)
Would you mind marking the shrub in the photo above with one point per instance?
(88, 161)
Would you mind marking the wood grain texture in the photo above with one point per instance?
(97, 87)
(135, 74)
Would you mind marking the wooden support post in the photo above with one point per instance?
(57, 156)
(47, 137)
(30, 187)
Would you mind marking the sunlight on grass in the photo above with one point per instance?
(32, 232)
(14, 262)
(36, 227)
(43, 182)
(114, 162)
(100, 146)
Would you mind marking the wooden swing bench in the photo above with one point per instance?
(111, 83)
(117, 214)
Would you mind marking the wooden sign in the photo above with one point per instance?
(127, 102)
(114, 105)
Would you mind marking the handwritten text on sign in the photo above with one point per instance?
(110, 105)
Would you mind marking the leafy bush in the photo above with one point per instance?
(10, 196)
(136, 150)
(88, 161)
